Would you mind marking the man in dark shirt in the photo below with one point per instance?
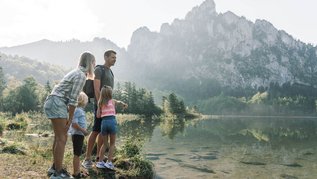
(100, 80)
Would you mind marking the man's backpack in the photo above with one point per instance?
(89, 88)
(89, 84)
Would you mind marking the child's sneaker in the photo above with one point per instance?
(109, 165)
(101, 164)
(87, 164)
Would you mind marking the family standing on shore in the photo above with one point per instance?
(65, 108)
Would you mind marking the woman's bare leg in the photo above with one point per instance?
(60, 131)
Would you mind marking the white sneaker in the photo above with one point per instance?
(87, 164)
(109, 165)
(101, 164)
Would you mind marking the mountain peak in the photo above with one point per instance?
(209, 4)
(205, 10)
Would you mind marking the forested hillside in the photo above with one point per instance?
(16, 67)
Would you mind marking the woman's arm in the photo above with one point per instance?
(71, 110)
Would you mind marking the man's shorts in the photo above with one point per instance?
(97, 121)
(108, 125)
(55, 107)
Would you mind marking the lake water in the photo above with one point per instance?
(229, 146)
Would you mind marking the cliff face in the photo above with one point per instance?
(222, 47)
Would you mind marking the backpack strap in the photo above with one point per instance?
(102, 75)
(103, 71)
(111, 72)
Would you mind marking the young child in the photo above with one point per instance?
(78, 132)
(106, 110)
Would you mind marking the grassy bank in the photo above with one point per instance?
(25, 150)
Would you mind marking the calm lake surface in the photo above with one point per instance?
(229, 146)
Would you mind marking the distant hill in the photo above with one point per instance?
(61, 53)
(67, 53)
(22, 67)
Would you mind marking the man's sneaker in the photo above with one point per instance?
(109, 165)
(64, 174)
(50, 171)
(87, 164)
(100, 164)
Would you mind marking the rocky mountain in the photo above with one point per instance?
(197, 56)
(207, 48)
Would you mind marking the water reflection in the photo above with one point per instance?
(139, 129)
(275, 131)
(229, 147)
(172, 126)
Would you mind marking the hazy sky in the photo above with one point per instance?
(24, 21)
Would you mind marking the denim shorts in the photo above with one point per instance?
(108, 125)
(55, 107)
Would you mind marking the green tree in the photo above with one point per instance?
(140, 101)
(24, 98)
(176, 106)
(48, 88)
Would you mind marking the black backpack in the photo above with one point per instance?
(89, 84)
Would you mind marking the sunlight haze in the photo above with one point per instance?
(58, 20)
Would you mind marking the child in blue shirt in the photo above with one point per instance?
(78, 131)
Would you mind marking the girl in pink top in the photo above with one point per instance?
(107, 112)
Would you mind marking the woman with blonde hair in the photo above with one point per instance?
(60, 105)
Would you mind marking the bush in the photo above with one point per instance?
(131, 163)
(130, 149)
(20, 121)
(13, 149)
(142, 167)
(14, 126)
(259, 98)
(296, 104)
(3, 118)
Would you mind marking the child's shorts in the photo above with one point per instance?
(78, 142)
(55, 107)
(108, 125)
